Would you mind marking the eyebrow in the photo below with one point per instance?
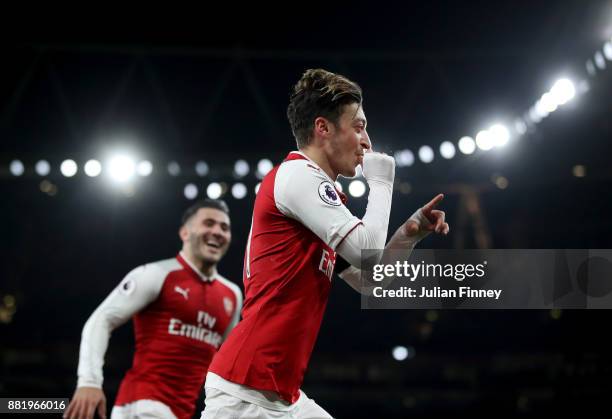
(362, 120)
(216, 221)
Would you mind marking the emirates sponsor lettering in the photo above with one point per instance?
(201, 332)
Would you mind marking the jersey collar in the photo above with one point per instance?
(191, 267)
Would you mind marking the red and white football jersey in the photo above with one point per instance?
(299, 219)
(180, 319)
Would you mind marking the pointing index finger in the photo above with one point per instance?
(432, 204)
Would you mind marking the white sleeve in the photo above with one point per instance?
(372, 234)
(139, 288)
(400, 244)
(237, 310)
(305, 194)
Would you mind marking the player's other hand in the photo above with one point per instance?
(85, 402)
(427, 219)
(378, 167)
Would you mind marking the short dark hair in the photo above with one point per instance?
(319, 93)
(217, 204)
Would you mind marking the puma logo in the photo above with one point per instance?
(183, 292)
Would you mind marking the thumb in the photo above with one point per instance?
(411, 228)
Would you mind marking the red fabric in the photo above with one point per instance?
(175, 341)
(286, 292)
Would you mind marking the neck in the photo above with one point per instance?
(207, 268)
(318, 156)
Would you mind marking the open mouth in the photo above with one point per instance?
(212, 244)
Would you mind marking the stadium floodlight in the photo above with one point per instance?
(484, 140)
(563, 91)
(201, 168)
(68, 168)
(426, 154)
(241, 168)
(447, 150)
(239, 190)
(191, 191)
(264, 166)
(467, 145)
(16, 168)
(214, 190)
(121, 168)
(357, 188)
(404, 158)
(144, 168)
(43, 168)
(174, 169)
(92, 168)
(499, 135)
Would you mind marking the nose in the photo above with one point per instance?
(217, 231)
(365, 141)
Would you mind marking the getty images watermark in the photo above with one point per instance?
(498, 278)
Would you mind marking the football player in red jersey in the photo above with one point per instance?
(301, 232)
(182, 310)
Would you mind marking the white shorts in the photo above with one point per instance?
(220, 405)
(142, 409)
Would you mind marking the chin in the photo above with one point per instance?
(211, 258)
(350, 172)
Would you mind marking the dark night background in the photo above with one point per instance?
(212, 84)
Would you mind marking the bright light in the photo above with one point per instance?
(264, 166)
(400, 353)
(239, 191)
(357, 188)
(191, 191)
(16, 168)
(499, 135)
(338, 186)
(549, 104)
(426, 154)
(520, 127)
(43, 168)
(590, 68)
(541, 110)
(201, 168)
(484, 140)
(534, 115)
(121, 168)
(214, 190)
(241, 168)
(467, 145)
(145, 168)
(93, 168)
(607, 50)
(257, 188)
(174, 169)
(563, 91)
(600, 62)
(68, 168)
(447, 150)
(404, 158)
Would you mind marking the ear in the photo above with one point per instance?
(323, 127)
(184, 233)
